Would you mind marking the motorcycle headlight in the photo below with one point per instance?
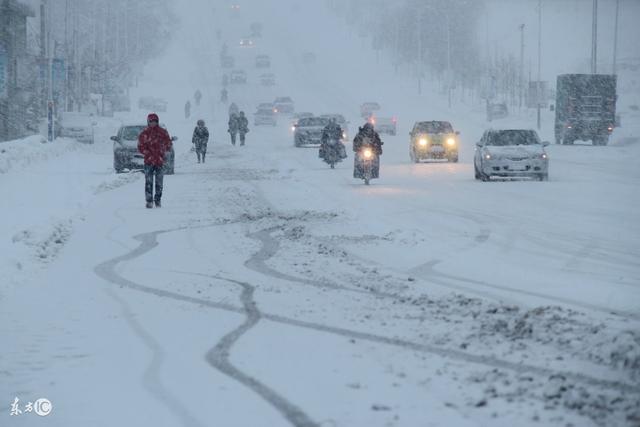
(451, 142)
(367, 153)
(423, 142)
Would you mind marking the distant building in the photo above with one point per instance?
(17, 86)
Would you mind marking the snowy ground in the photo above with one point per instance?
(270, 290)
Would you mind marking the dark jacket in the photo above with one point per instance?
(363, 137)
(200, 135)
(243, 124)
(153, 143)
(234, 124)
(332, 131)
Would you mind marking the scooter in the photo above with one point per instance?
(333, 152)
(367, 163)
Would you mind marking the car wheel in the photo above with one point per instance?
(476, 173)
(453, 159)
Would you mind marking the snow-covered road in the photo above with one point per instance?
(270, 290)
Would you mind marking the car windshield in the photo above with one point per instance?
(130, 133)
(281, 100)
(313, 121)
(265, 111)
(513, 137)
(435, 127)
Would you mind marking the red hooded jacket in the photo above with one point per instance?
(153, 143)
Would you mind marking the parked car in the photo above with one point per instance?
(511, 153)
(238, 77)
(256, 29)
(284, 105)
(150, 103)
(265, 116)
(387, 125)
(497, 111)
(125, 150)
(267, 79)
(78, 126)
(344, 124)
(433, 140)
(263, 61)
(368, 108)
(296, 117)
(308, 131)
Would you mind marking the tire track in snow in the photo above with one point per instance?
(218, 357)
(269, 249)
(148, 241)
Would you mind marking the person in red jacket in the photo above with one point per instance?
(153, 143)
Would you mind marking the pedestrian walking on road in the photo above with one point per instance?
(153, 143)
(200, 139)
(243, 127)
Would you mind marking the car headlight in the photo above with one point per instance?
(487, 156)
(544, 156)
(293, 128)
(344, 135)
(451, 142)
(423, 142)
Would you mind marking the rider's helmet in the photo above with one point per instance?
(367, 128)
(201, 123)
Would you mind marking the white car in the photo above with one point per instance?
(267, 79)
(368, 108)
(308, 131)
(238, 77)
(511, 153)
(263, 61)
(387, 125)
(284, 105)
(78, 126)
(265, 116)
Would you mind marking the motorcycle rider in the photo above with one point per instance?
(153, 144)
(200, 139)
(332, 132)
(367, 136)
(243, 127)
(234, 127)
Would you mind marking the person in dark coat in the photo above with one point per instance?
(243, 127)
(234, 126)
(332, 132)
(153, 143)
(200, 139)
(367, 136)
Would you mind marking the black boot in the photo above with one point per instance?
(158, 205)
(149, 205)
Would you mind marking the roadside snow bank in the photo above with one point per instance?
(21, 153)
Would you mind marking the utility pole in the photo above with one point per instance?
(449, 59)
(419, 31)
(594, 39)
(615, 40)
(521, 77)
(539, 84)
(50, 103)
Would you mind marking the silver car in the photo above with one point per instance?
(126, 154)
(511, 153)
(308, 131)
(78, 126)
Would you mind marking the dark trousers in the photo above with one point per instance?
(242, 136)
(233, 137)
(151, 172)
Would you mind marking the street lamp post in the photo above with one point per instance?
(538, 85)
